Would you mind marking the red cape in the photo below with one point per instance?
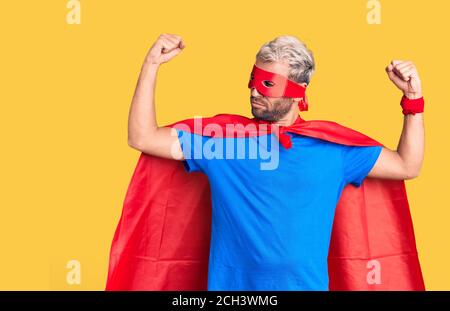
(162, 239)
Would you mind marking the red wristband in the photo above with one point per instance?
(412, 106)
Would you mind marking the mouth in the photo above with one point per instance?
(257, 105)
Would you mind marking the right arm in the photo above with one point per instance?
(143, 131)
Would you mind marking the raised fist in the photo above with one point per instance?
(166, 47)
(405, 76)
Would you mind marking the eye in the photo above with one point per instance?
(268, 83)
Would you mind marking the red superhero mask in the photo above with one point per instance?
(271, 84)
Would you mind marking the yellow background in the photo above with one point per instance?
(66, 91)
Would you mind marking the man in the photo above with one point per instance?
(271, 228)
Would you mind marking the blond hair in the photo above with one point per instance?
(293, 51)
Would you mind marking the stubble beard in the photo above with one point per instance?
(280, 108)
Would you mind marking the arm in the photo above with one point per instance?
(143, 131)
(406, 161)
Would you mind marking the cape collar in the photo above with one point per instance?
(284, 139)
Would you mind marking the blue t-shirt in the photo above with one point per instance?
(273, 208)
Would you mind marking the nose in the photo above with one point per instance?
(254, 92)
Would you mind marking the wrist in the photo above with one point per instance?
(150, 64)
(412, 105)
(149, 69)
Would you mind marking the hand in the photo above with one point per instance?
(404, 75)
(166, 47)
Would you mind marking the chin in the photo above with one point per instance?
(261, 115)
(256, 113)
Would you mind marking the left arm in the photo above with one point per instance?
(406, 161)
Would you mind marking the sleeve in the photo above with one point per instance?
(358, 161)
(192, 147)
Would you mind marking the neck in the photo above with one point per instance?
(288, 119)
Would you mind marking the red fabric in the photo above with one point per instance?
(412, 106)
(162, 239)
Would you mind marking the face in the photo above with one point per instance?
(271, 109)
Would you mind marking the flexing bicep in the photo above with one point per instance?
(389, 166)
(162, 142)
